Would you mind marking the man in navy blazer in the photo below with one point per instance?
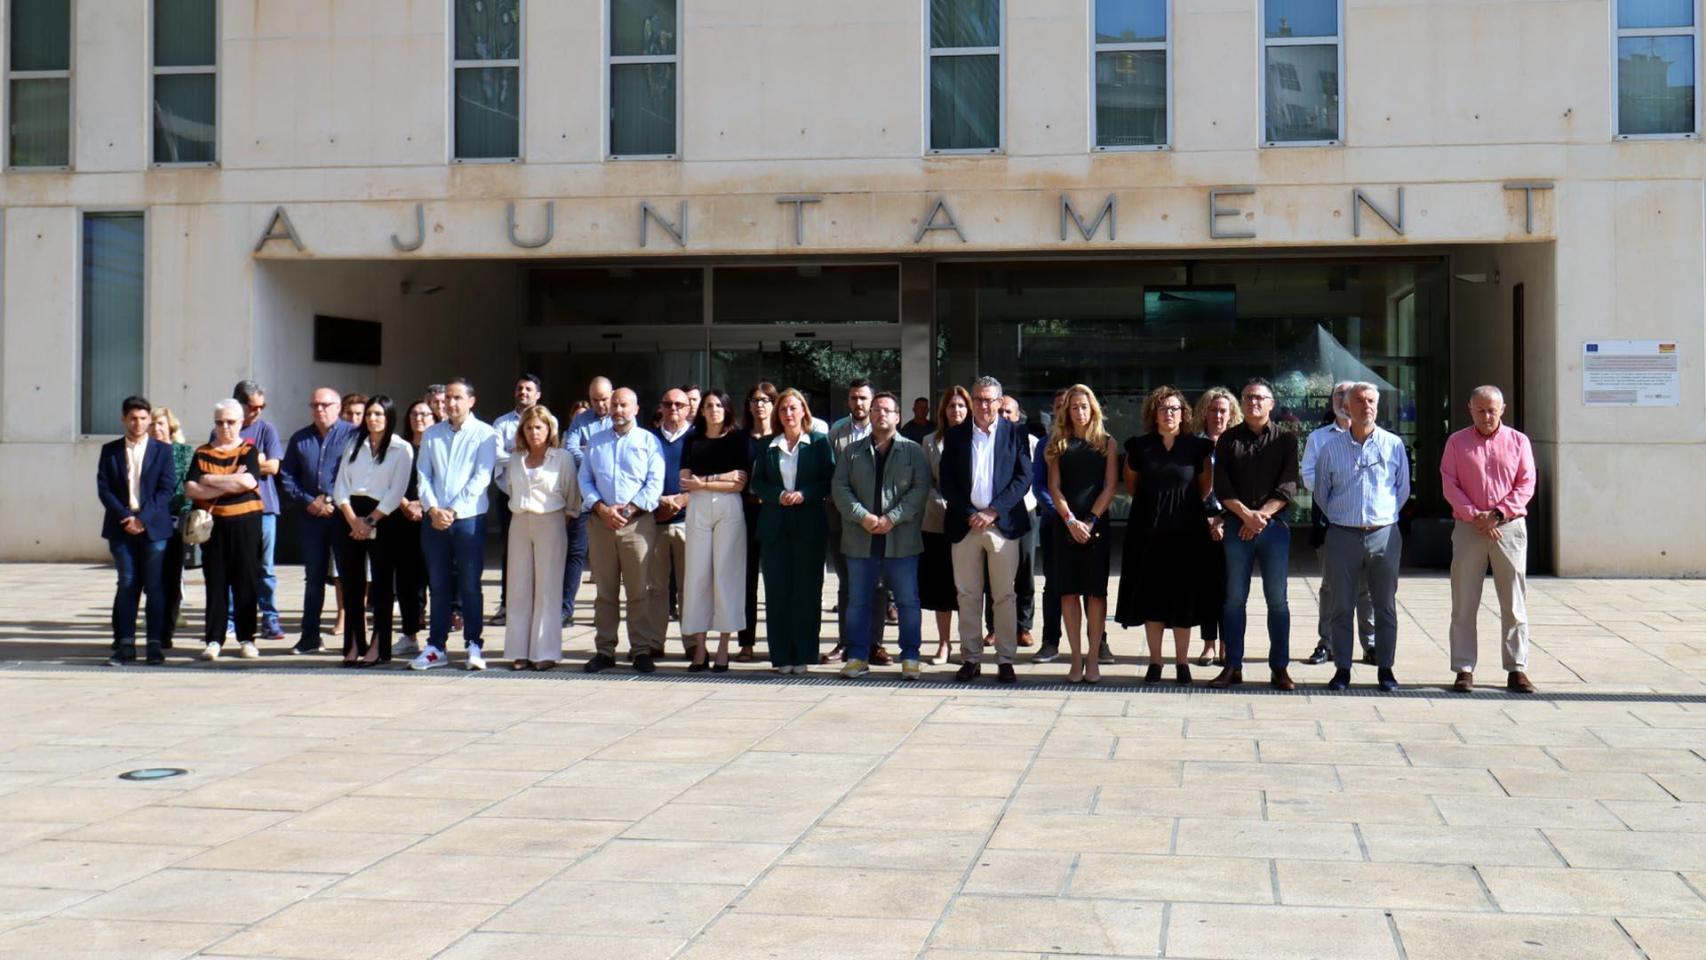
(985, 474)
(135, 478)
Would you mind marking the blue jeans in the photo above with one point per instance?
(266, 589)
(138, 561)
(455, 559)
(317, 536)
(575, 564)
(901, 574)
(1272, 549)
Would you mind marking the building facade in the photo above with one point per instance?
(1125, 193)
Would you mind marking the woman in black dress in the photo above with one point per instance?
(936, 591)
(1163, 576)
(1083, 465)
(760, 430)
(1217, 412)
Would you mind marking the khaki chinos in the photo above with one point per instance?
(1471, 554)
(619, 564)
(1002, 555)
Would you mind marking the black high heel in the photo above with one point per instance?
(1182, 675)
(1153, 674)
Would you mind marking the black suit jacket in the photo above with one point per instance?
(1012, 479)
(154, 492)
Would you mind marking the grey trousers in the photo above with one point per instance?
(1324, 603)
(1471, 554)
(1370, 555)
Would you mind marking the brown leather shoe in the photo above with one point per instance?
(1282, 680)
(1025, 638)
(1227, 677)
(1518, 683)
(1465, 682)
(880, 657)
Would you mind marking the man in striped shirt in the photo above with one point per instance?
(1362, 479)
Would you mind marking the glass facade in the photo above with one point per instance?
(1300, 70)
(1657, 41)
(965, 75)
(486, 83)
(1131, 73)
(644, 73)
(38, 87)
(112, 335)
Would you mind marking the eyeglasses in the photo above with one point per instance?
(1258, 398)
(323, 404)
(1172, 408)
(257, 407)
(226, 423)
(985, 401)
(677, 403)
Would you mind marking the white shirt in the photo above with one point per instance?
(1030, 488)
(545, 488)
(672, 437)
(857, 433)
(789, 461)
(135, 451)
(385, 481)
(506, 426)
(983, 465)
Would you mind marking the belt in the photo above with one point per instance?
(1367, 529)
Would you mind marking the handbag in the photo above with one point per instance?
(198, 527)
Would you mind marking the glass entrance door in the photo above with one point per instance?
(818, 361)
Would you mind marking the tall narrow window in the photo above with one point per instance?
(965, 76)
(186, 81)
(1131, 73)
(1656, 47)
(112, 316)
(486, 80)
(645, 75)
(38, 83)
(1302, 47)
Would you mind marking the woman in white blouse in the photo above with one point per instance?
(542, 492)
(371, 483)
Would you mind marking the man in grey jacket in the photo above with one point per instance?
(881, 484)
(851, 429)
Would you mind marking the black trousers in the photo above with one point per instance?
(353, 558)
(410, 565)
(172, 581)
(1051, 591)
(231, 564)
(749, 636)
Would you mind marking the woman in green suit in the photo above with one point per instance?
(791, 479)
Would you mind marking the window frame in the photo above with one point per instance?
(1620, 33)
(518, 64)
(612, 61)
(69, 75)
(1166, 48)
(81, 336)
(155, 72)
(999, 51)
(1263, 42)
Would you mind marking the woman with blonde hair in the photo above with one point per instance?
(167, 430)
(1083, 464)
(936, 590)
(1217, 412)
(543, 494)
(1163, 581)
(791, 480)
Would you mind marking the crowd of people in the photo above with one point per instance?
(680, 513)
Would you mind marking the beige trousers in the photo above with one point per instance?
(1471, 554)
(538, 548)
(713, 592)
(619, 564)
(1003, 557)
(668, 555)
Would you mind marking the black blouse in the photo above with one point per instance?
(725, 454)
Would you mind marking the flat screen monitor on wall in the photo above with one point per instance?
(342, 340)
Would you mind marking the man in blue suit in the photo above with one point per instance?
(985, 474)
(135, 479)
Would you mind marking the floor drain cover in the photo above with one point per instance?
(153, 773)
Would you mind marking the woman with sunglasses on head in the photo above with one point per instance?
(372, 482)
(760, 424)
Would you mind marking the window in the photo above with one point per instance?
(486, 80)
(38, 83)
(186, 81)
(645, 81)
(112, 316)
(1302, 54)
(965, 76)
(1656, 47)
(1130, 54)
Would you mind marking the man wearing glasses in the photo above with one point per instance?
(263, 436)
(668, 560)
(1255, 478)
(308, 472)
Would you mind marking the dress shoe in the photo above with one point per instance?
(880, 657)
(968, 672)
(1153, 674)
(1106, 656)
(1341, 680)
(833, 656)
(1368, 655)
(1227, 677)
(1518, 683)
(599, 661)
(1182, 675)
(1047, 653)
(1282, 680)
(1004, 674)
(1025, 638)
(155, 659)
(643, 663)
(1465, 682)
(1387, 681)
(1318, 657)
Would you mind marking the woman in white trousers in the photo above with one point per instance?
(542, 493)
(714, 469)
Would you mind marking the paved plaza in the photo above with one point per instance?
(349, 814)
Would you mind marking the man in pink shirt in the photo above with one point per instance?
(1488, 475)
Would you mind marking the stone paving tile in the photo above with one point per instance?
(1477, 811)
(1026, 831)
(676, 861)
(69, 938)
(80, 865)
(1231, 932)
(1454, 936)
(1365, 808)
(672, 911)
(1105, 927)
(1264, 839)
(20, 905)
(302, 850)
(1022, 873)
(1403, 843)
(1666, 939)
(742, 936)
(535, 946)
(1630, 851)
(1420, 886)
(464, 878)
(847, 894)
(1647, 893)
(1137, 877)
(203, 896)
(325, 929)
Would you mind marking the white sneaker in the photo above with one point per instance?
(476, 660)
(406, 647)
(249, 652)
(430, 657)
(799, 668)
(210, 652)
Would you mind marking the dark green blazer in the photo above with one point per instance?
(817, 468)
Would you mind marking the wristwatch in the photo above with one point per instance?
(1500, 514)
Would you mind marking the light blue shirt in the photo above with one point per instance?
(581, 429)
(621, 468)
(1312, 450)
(1362, 484)
(506, 427)
(455, 467)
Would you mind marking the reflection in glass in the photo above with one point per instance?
(112, 316)
(965, 103)
(965, 23)
(488, 113)
(184, 33)
(1131, 21)
(819, 369)
(642, 28)
(642, 109)
(488, 29)
(185, 128)
(41, 34)
(1302, 93)
(1655, 85)
(617, 296)
(1301, 18)
(1131, 98)
(806, 294)
(1654, 13)
(40, 123)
